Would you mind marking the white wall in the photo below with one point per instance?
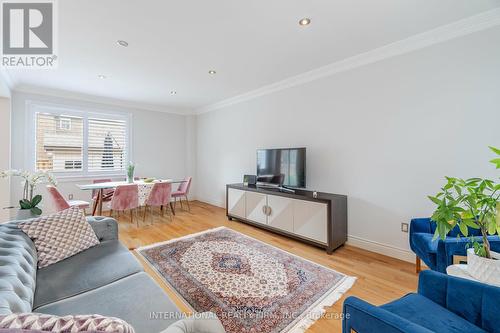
(384, 134)
(4, 157)
(158, 143)
(4, 86)
(191, 142)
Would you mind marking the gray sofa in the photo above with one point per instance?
(106, 279)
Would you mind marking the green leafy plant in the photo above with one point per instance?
(496, 161)
(469, 203)
(130, 171)
(32, 204)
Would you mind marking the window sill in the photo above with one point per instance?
(76, 178)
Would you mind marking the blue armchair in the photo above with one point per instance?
(438, 254)
(443, 304)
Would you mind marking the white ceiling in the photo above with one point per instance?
(250, 44)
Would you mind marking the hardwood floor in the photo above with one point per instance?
(380, 278)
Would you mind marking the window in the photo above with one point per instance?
(106, 144)
(78, 142)
(65, 124)
(68, 165)
(55, 147)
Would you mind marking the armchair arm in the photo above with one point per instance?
(105, 228)
(362, 317)
(457, 247)
(419, 225)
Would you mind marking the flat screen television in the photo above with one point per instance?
(282, 167)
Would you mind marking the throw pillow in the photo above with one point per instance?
(38, 322)
(206, 322)
(60, 235)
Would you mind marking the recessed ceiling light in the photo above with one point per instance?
(173, 92)
(122, 43)
(305, 21)
(211, 71)
(101, 76)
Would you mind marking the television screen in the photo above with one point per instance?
(282, 166)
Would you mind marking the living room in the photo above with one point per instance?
(250, 167)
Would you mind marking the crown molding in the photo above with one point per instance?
(438, 35)
(131, 105)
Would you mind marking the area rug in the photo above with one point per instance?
(251, 286)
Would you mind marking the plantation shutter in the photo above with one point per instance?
(107, 140)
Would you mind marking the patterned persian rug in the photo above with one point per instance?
(251, 286)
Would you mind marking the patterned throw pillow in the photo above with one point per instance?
(38, 322)
(60, 235)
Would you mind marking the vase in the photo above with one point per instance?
(130, 179)
(483, 269)
(25, 214)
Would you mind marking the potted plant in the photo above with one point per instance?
(472, 203)
(28, 205)
(130, 172)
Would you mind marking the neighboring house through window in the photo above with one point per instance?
(79, 142)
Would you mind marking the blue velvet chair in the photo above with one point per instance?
(438, 254)
(443, 304)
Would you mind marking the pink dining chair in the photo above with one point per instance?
(182, 192)
(126, 197)
(106, 195)
(61, 204)
(160, 196)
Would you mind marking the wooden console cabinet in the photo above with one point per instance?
(320, 221)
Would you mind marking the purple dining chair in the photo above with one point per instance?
(61, 204)
(182, 192)
(160, 196)
(126, 197)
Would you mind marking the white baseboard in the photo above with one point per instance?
(213, 202)
(385, 249)
(365, 244)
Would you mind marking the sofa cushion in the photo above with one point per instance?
(93, 268)
(136, 299)
(39, 322)
(60, 235)
(424, 312)
(17, 270)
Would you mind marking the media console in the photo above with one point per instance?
(319, 220)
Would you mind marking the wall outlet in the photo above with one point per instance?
(70, 197)
(404, 227)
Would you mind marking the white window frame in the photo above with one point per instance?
(61, 110)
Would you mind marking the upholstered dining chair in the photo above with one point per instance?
(439, 254)
(126, 197)
(182, 192)
(61, 204)
(106, 195)
(160, 196)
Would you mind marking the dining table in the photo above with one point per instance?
(144, 188)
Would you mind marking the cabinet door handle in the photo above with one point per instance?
(264, 210)
(269, 211)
